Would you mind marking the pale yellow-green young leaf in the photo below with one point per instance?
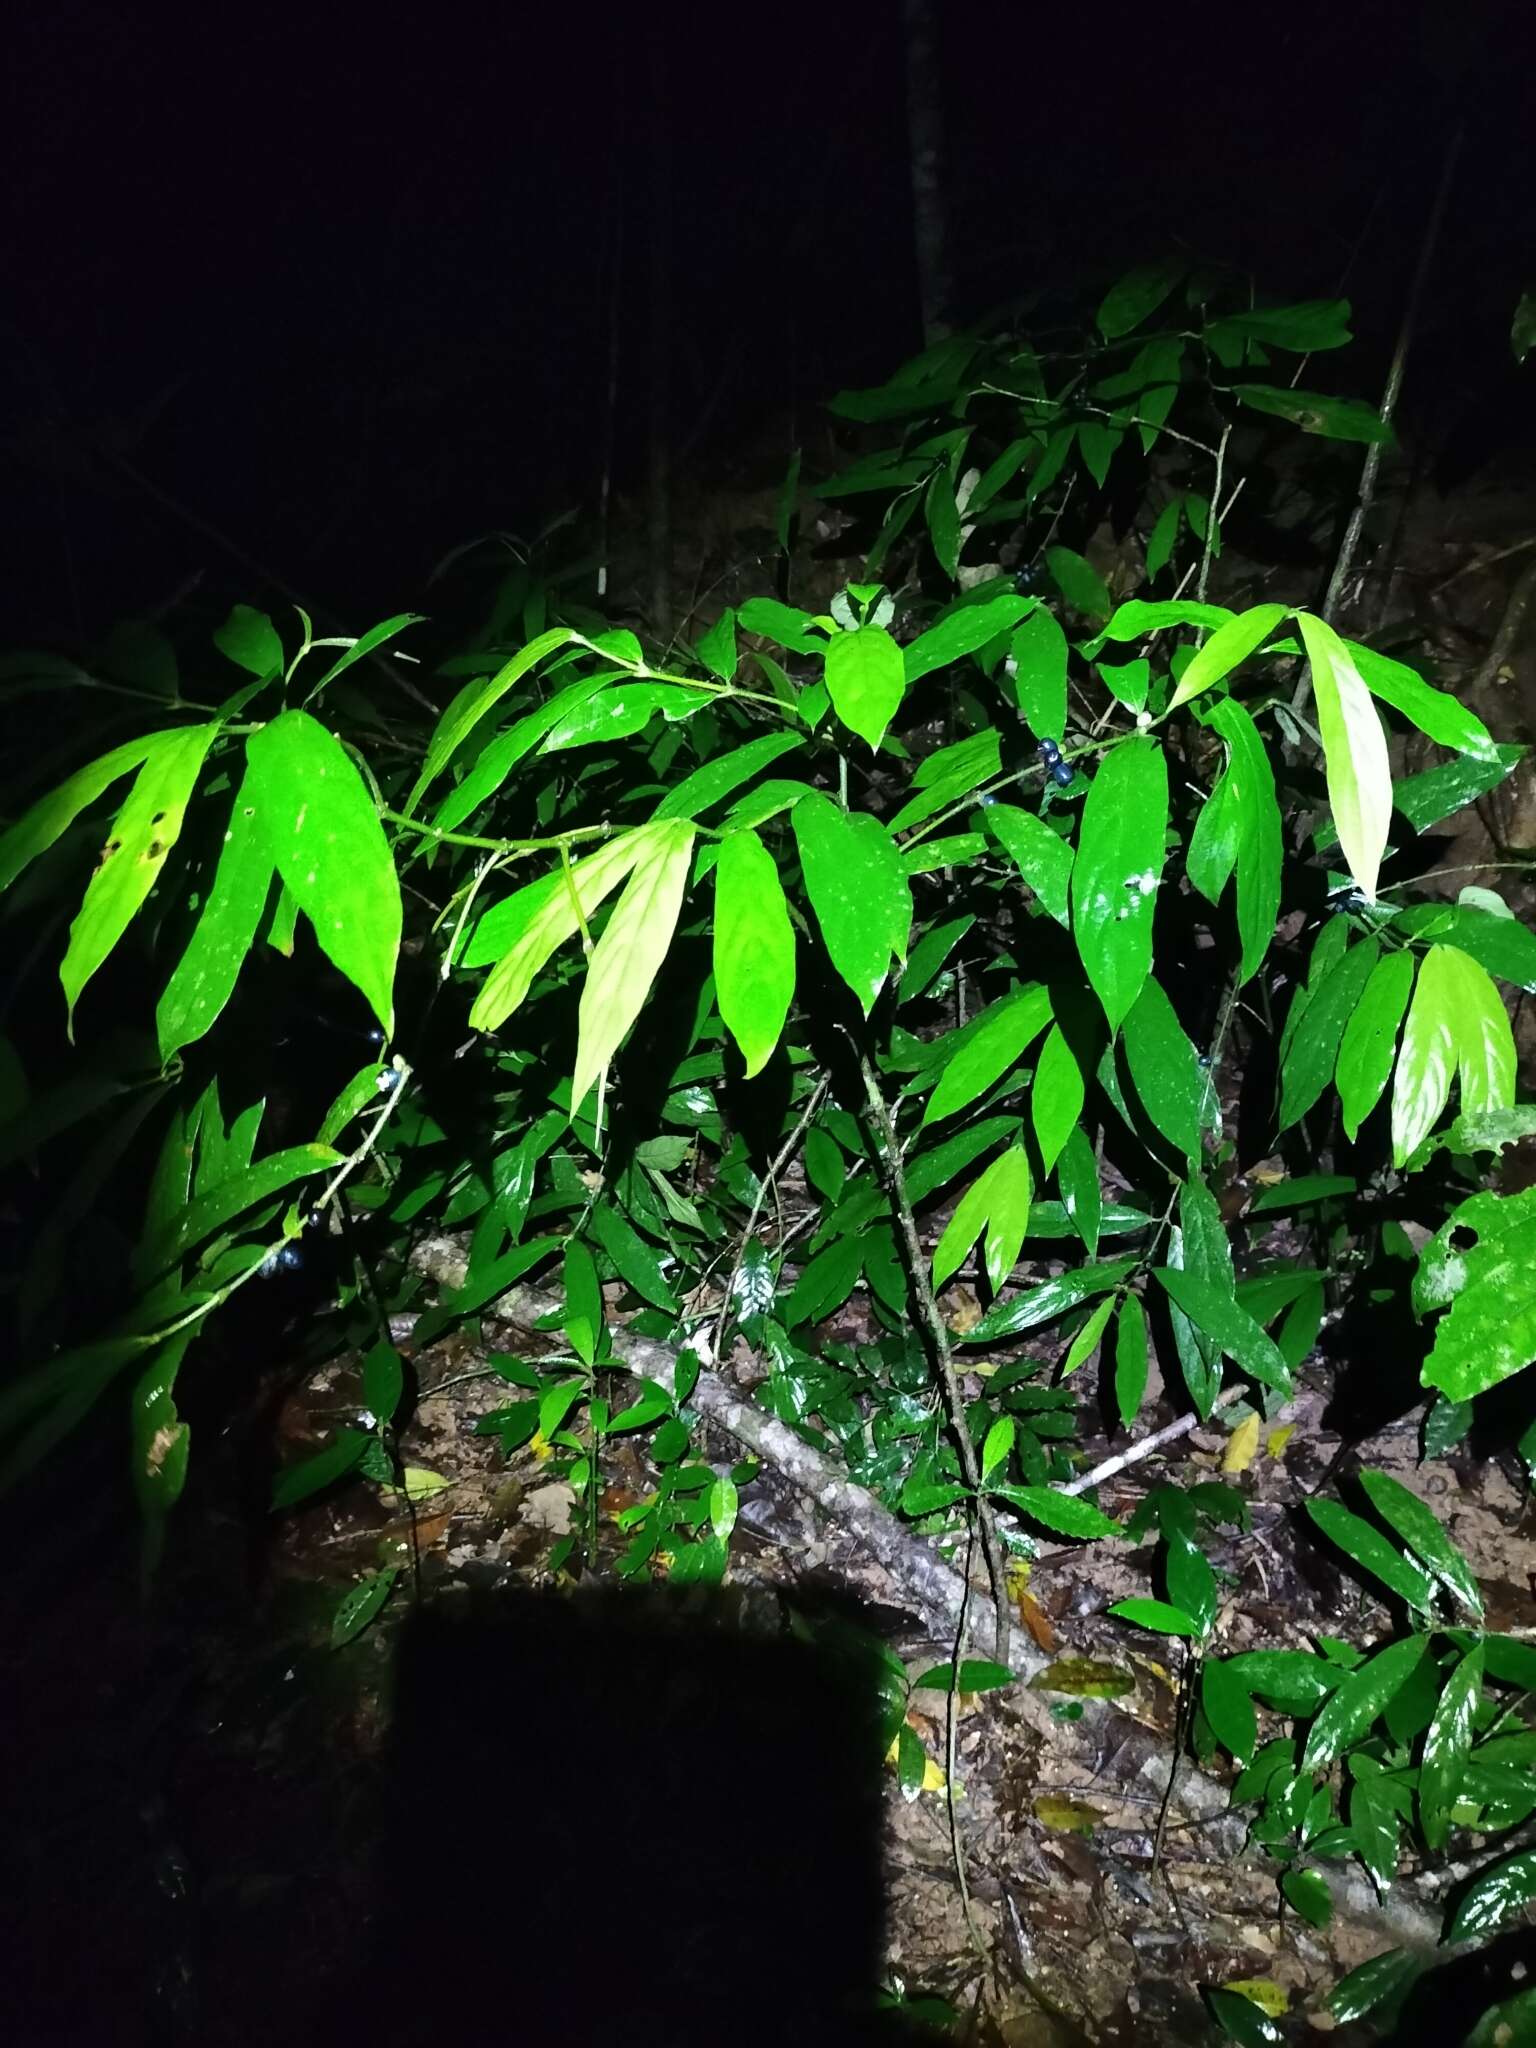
(634, 944)
(142, 834)
(999, 1200)
(1355, 750)
(1426, 1062)
(1485, 1044)
(1227, 648)
(545, 916)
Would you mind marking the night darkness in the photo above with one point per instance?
(294, 303)
(335, 281)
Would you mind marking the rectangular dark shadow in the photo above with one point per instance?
(619, 1818)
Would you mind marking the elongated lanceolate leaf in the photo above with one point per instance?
(527, 927)
(1319, 1013)
(1365, 1543)
(1219, 1316)
(633, 945)
(618, 713)
(1421, 1529)
(1037, 665)
(727, 772)
(1253, 815)
(1172, 1085)
(37, 828)
(754, 947)
(1456, 1025)
(997, 1200)
(327, 844)
(1492, 1896)
(1448, 1747)
(1228, 647)
(1355, 750)
(142, 834)
(966, 629)
(476, 700)
(1052, 1298)
(1362, 1696)
(1118, 869)
(204, 978)
(858, 890)
(1056, 1096)
(1369, 1044)
(1443, 717)
(1041, 856)
(987, 1048)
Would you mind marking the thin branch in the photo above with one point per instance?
(770, 1179)
(1146, 1445)
(938, 1339)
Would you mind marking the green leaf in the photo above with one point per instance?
(1501, 944)
(782, 623)
(1135, 296)
(1373, 1553)
(495, 762)
(1355, 751)
(141, 836)
(998, 1446)
(250, 640)
(1077, 1176)
(1052, 1298)
(1384, 1978)
(619, 713)
(1360, 1700)
(1137, 617)
(1251, 814)
(1081, 585)
(1117, 871)
(1308, 1894)
(824, 1283)
(1481, 1263)
(1448, 1746)
(717, 778)
(1041, 856)
(861, 897)
(204, 978)
(1158, 1616)
(1321, 1012)
(583, 1304)
(475, 700)
(1421, 1530)
(1037, 666)
(1444, 718)
(1130, 1360)
(627, 957)
(716, 649)
(963, 631)
(383, 1381)
(52, 815)
(358, 1607)
(524, 929)
(1493, 1895)
(1088, 1338)
(635, 1262)
(1228, 648)
(1430, 1052)
(754, 948)
(365, 644)
(326, 842)
(1228, 1708)
(230, 1198)
(998, 1200)
(1056, 1096)
(865, 680)
(1172, 1085)
(1369, 1044)
(1485, 1044)
(989, 1047)
(943, 518)
(1295, 1681)
(1215, 1312)
(1064, 1514)
(1333, 419)
(312, 1475)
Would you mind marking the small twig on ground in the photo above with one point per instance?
(1146, 1445)
(938, 1339)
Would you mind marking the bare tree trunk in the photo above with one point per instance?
(925, 137)
(659, 465)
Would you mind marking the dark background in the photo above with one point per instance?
(336, 279)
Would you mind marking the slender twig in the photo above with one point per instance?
(938, 1339)
(1372, 463)
(770, 1179)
